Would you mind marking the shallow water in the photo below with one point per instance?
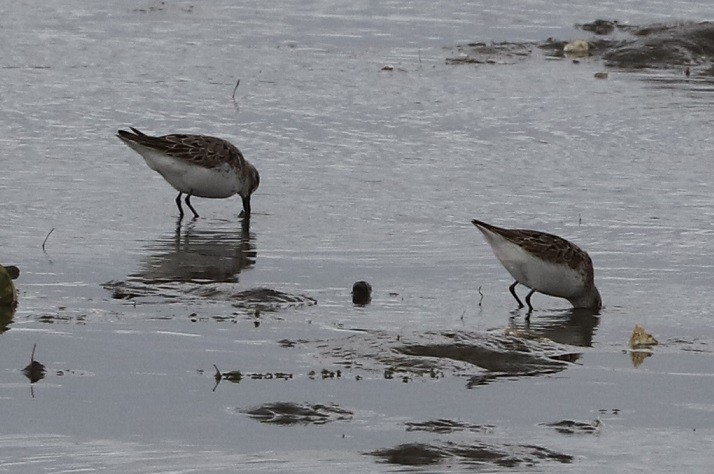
(366, 174)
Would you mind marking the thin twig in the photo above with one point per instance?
(32, 357)
(235, 89)
(218, 377)
(48, 236)
(479, 292)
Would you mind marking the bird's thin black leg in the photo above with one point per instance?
(246, 208)
(178, 203)
(528, 300)
(513, 292)
(188, 203)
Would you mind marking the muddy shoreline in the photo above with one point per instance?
(688, 46)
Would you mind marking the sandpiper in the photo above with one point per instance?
(196, 165)
(544, 263)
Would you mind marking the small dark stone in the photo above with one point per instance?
(361, 293)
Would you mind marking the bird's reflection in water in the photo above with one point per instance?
(575, 327)
(216, 254)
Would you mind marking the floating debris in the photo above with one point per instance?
(577, 49)
(641, 342)
(600, 75)
(641, 338)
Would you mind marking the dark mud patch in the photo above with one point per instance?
(63, 317)
(575, 427)
(664, 46)
(690, 345)
(491, 53)
(251, 301)
(266, 299)
(447, 426)
(161, 6)
(657, 46)
(288, 413)
(433, 354)
(469, 455)
(289, 343)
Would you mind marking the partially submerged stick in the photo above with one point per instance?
(235, 89)
(47, 237)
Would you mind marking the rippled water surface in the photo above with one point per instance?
(366, 174)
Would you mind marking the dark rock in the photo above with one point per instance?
(361, 293)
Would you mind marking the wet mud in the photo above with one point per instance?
(665, 46)
(575, 427)
(288, 413)
(482, 356)
(250, 302)
(447, 426)
(629, 47)
(469, 455)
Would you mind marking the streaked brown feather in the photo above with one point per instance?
(549, 247)
(199, 150)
